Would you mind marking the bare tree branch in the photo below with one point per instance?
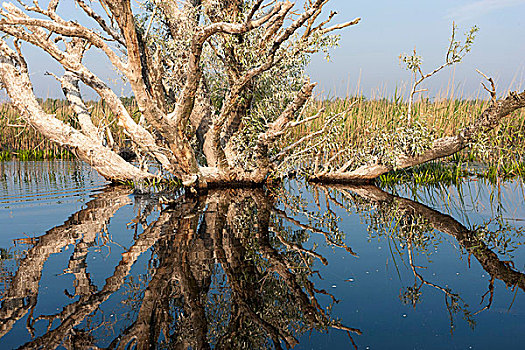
(19, 88)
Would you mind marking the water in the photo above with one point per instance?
(85, 265)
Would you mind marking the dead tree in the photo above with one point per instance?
(237, 44)
(338, 168)
(217, 84)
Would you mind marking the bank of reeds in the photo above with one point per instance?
(500, 153)
(21, 141)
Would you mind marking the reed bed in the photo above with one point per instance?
(499, 153)
(444, 117)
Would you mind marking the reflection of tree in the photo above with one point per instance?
(224, 273)
(413, 224)
(73, 314)
(268, 293)
(21, 296)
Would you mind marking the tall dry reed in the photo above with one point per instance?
(443, 116)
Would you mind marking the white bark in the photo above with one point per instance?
(19, 88)
(165, 137)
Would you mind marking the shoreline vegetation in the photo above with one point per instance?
(380, 126)
(498, 154)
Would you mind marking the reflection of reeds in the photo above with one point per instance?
(28, 183)
(19, 140)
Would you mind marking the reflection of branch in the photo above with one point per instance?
(490, 292)
(312, 229)
(83, 284)
(23, 290)
(451, 299)
(299, 248)
(308, 304)
(231, 254)
(75, 313)
(468, 239)
(244, 276)
(446, 224)
(181, 272)
(418, 276)
(153, 316)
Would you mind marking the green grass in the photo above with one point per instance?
(505, 171)
(5, 156)
(431, 173)
(452, 173)
(25, 155)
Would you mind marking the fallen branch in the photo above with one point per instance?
(442, 147)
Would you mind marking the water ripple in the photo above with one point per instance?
(37, 183)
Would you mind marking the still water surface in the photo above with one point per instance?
(84, 265)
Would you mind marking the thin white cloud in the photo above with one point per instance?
(479, 8)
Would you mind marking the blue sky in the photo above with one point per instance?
(368, 53)
(389, 28)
